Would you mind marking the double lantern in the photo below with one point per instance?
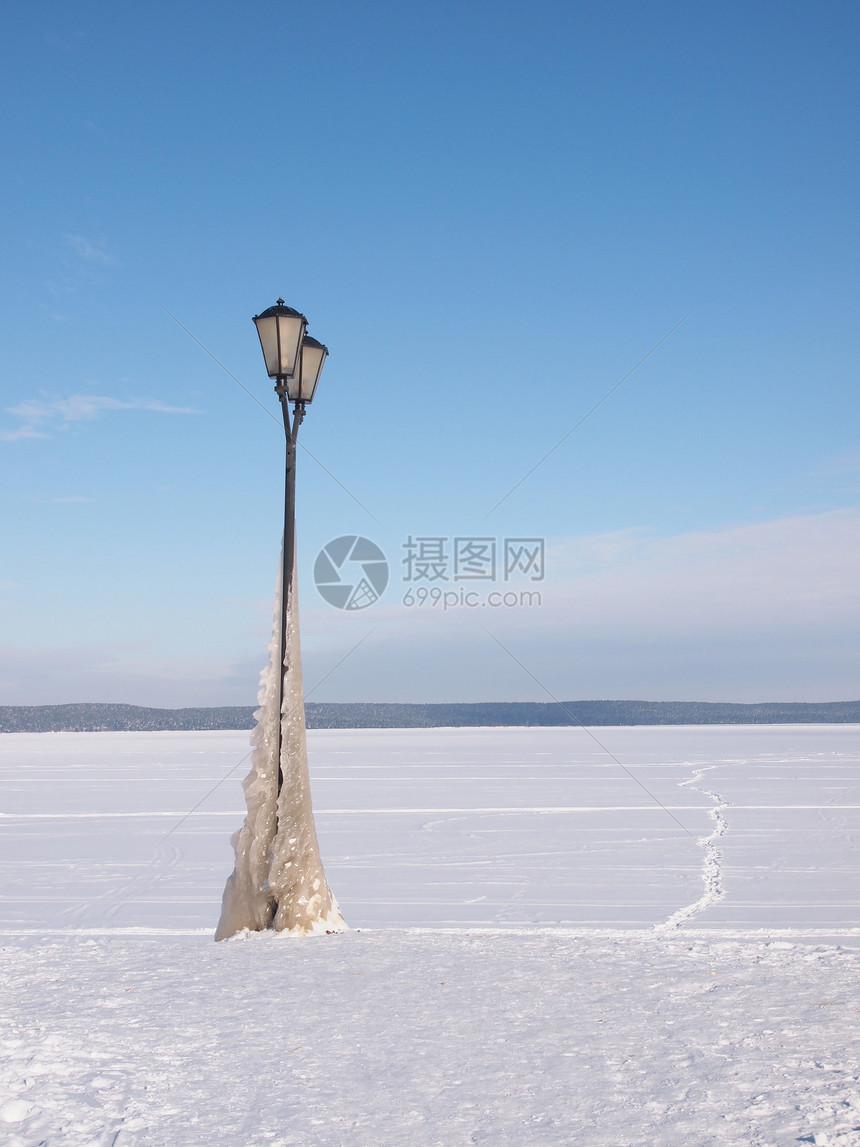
(293, 358)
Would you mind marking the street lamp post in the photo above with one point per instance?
(295, 361)
(278, 879)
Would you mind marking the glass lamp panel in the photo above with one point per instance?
(294, 386)
(313, 359)
(280, 329)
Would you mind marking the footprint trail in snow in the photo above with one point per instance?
(712, 867)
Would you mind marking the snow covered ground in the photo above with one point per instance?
(546, 955)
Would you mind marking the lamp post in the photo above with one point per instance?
(278, 880)
(295, 361)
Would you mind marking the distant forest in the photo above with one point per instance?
(333, 715)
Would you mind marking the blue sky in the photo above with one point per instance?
(490, 213)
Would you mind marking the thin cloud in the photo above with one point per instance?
(782, 574)
(21, 432)
(747, 612)
(843, 464)
(92, 252)
(71, 498)
(85, 407)
(38, 413)
(126, 672)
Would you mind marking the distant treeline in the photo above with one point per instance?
(333, 715)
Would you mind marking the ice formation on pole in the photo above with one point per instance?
(278, 879)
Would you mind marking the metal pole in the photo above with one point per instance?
(291, 433)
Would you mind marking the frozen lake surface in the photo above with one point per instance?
(450, 827)
(556, 946)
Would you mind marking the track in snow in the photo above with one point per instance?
(444, 828)
(712, 865)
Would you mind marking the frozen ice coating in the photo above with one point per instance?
(278, 879)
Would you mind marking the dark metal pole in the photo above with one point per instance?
(291, 433)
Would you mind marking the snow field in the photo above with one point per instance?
(429, 1038)
(545, 955)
